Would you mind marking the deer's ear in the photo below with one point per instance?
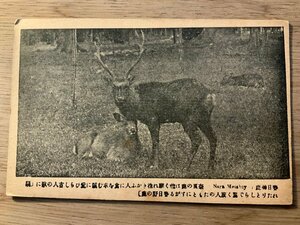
(118, 117)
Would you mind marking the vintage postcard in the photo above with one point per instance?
(164, 110)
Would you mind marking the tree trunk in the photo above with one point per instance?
(64, 41)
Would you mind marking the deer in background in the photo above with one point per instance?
(154, 103)
(244, 80)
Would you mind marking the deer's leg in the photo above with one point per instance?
(154, 131)
(191, 129)
(206, 128)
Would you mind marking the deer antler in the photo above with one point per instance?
(142, 50)
(97, 54)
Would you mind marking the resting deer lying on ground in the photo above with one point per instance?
(154, 103)
(116, 143)
(245, 80)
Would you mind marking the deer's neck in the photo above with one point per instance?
(132, 103)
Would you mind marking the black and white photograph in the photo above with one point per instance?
(186, 102)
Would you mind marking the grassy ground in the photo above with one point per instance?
(245, 119)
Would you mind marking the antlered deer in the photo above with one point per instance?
(153, 103)
(116, 143)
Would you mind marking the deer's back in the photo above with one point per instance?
(115, 143)
(113, 135)
(170, 101)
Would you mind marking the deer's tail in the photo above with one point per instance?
(210, 102)
(211, 99)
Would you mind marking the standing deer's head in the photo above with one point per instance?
(121, 86)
